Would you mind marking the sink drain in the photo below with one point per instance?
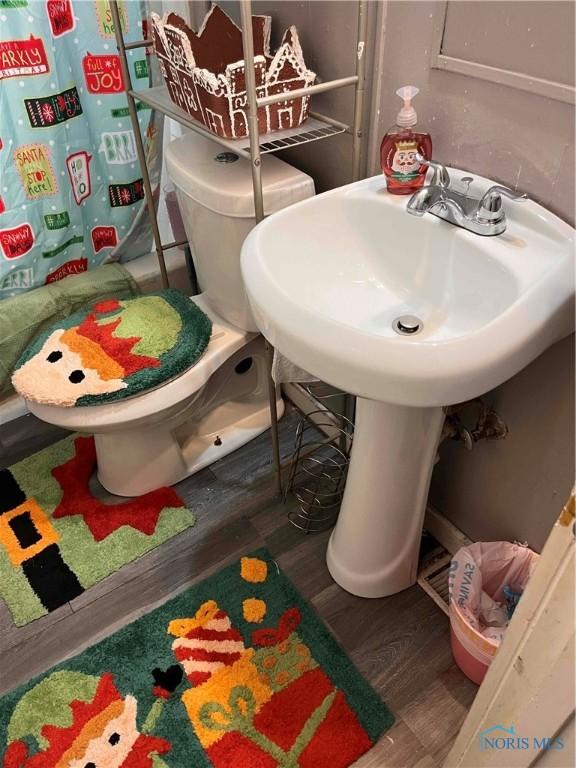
(407, 325)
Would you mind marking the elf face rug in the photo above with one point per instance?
(57, 539)
(236, 672)
(114, 349)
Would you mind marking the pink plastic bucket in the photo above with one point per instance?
(482, 567)
(472, 651)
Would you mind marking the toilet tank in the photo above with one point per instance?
(214, 190)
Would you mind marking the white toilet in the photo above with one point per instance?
(163, 435)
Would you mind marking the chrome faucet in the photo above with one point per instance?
(483, 216)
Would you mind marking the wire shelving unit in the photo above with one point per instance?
(317, 127)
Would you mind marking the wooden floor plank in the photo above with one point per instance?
(8, 631)
(397, 748)
(410, 655)
(305, 563)
(434, 715)
(23, 436)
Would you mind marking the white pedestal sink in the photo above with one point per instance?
(327, 278)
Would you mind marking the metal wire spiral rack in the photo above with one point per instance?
(319, 464)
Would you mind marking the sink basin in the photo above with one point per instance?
(328, 277)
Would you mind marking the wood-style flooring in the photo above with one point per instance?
(399, 643)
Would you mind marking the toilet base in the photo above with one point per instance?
(230, 410)
(133, 463)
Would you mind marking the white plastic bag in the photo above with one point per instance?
(478, 575)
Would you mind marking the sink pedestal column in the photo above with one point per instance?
(373, 550)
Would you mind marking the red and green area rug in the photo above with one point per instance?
(236, 672)
(57, 539)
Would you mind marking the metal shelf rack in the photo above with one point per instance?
(312, 130)
(317, 127)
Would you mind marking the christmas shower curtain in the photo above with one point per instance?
(71, 192)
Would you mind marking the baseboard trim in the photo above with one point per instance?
(444, 531)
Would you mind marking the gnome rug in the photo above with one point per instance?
(113, 350)
(236, 672)
(57, 539)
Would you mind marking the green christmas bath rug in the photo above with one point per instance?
(114, 349)
(58, 539)
(236, 672)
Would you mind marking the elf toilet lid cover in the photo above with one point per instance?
(113, 350)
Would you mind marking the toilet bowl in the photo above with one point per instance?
(162, 435)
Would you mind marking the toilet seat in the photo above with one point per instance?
(161, 436)
(151, 405)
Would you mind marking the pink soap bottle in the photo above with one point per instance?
(404, 173)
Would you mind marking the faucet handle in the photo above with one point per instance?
(490, 205)
(441, 177)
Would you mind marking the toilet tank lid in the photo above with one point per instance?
(226, 187)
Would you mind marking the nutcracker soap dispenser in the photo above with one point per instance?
(400, 147)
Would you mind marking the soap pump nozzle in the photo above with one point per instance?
(407, 116)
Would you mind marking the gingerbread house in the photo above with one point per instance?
(205, 72)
